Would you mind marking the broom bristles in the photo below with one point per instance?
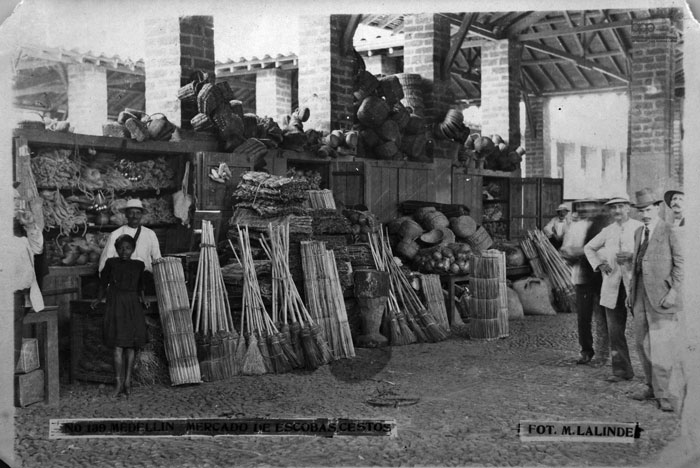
(321, 344)
(311, 352)
(288, 350)
(239, 355)
(264, 350)
(277, 356)
(416, 329)
(407, 335)
(295, 341)
(253, 363)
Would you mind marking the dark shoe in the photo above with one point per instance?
(665, 405)
(585, 358)
(646, 394)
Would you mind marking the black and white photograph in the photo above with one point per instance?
(349, 234)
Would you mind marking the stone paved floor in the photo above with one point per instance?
(472, 395)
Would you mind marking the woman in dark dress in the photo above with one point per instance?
(124, 321)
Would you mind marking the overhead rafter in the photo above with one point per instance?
(481, 30)
(542, 70)
(349, 33)
(534, 87)
(573, 31)
(558, 67)
(456, 42)
(579, 61)
(465, 75)
(566, 49)
(527, 21)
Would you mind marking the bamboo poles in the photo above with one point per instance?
(557, 269)
(178, 335)
(213, 323)
(533, 257)
(325, 297)
(321, 199)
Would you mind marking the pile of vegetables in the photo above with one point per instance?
(72, 251)
(150, 174)
(55, 168)
(362, 224)
(450, 259)
(158, 211)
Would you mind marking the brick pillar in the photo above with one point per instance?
(426, 44)
(382, 65)
(500, 90)
(87, 98)
(175, 48)
(651, 114)
(325, 73)
(273, 93)
(537, 161)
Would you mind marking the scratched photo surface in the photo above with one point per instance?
(579, 101)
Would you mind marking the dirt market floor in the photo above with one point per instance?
(472, 396)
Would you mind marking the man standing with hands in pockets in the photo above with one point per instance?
(656, 299)
(611, 253)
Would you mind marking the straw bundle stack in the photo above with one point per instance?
(485, 303)
(321, 199)
(557, 269)
(504, 330)
(213, 322)
(435, 299)
(533, 257)
(325, 297)
(176, 319)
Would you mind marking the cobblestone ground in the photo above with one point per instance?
(472, 396)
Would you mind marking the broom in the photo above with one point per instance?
(399, 332)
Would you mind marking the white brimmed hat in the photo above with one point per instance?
(563, 207)
(619, 199)
(133, 203)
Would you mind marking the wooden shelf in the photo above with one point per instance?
(70, 140)
(494, 200)
(126, 190)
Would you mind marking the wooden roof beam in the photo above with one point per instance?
(558, 66)
(543, 70)
(566, 49)
(456, 43)
(579, 61)
(573, 31)
(465, 75)
(526, 21)
(533, 85)
(478, 29)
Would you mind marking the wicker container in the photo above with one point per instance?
(228, 123)
(31, 125)
(202, 123)
(236, 107)
(400, 115)
(115, 129)
(414, 145)
(226, 91)
(386, 150)
(484, 309)
(463, 226)
(416, 125)
(389, 131)
(391, 89)
(423, 211)
(407, 248)
(432, 237)
(434, 220)
(366, 81)
(209, 99)
(480, 240)
(373, 111)
(410, 230)
(412, 85)
(369, 138)
(188, 93)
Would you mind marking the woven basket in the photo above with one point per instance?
(480, 240)
(228, 123)
(410, 230)
(369, 138)
(188, 93)
(391, 89)
(209, 99)
(114, 129)
(415, 125)
(400, 115)
(226, 91)
(201, 123)
(236, 107)
(389, 131)
(366, 81)
(250, 125)
(412, 85)
(31, 125)
(463, 226)
(373, 111)
(386, 150)
(414, 145)
(138, 129)
(407, 248)
(434, 220)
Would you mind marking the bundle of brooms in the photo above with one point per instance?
(409, 320)
(557, 269)
(216, 336)
(321, 199)
(296, 343)
(324, 297)
(530, 252)
(435, 299)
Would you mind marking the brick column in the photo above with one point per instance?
(426, 44)
(537, 161)
(87, 98)
(175, 48)
(500, 90)
(651, 114)
(325, 73)
(273, 93)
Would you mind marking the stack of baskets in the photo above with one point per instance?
(412, 85)
(488, 305)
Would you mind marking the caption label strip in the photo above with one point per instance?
(578, 431)
(199, 427)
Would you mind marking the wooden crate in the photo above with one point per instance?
(29, 388)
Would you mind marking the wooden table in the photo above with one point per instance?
(47, 319)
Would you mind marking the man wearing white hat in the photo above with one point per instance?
(557, 226)
(610, 252)
(656, 299)
(147, 247)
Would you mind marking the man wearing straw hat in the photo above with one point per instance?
(656, 299)
(675, 200)
(147, 247)
(557, 226)
(610, 252)
(586, 281)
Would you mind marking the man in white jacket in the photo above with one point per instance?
(610, 252)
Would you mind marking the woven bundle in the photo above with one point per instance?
(480, 240)
(413, 92)
(557, 270)
(209, 99)
(213, 313)
(360, 256)
(322, 199)
(175, 317)
(201, 123)
(325, 297)
(435, 299)
(249, 218)
(486, 303)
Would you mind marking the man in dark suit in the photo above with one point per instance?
(656, 298)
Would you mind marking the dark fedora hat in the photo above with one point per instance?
(646, 197)
(669, 195)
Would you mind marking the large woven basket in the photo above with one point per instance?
(373, 111)
(389, 131)
(480, 240)
(412, 85)
(386, 150)
(392, 89)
